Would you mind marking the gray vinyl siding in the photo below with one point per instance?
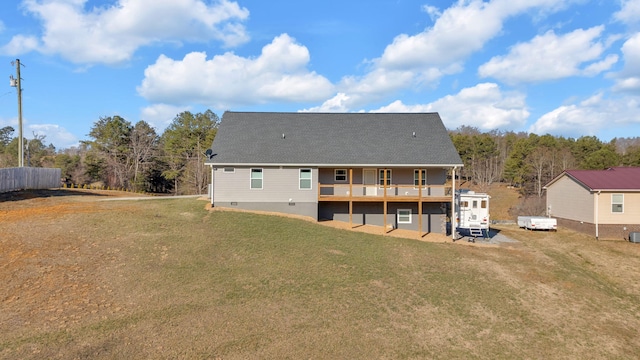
(279, 184)
(280, 190)
(569, 200)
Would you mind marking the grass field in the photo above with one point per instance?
(169, 279)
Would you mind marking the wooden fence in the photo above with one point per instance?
(25, 178)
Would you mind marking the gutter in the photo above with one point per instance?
(597, 210)
(319, 165)
(212, 181)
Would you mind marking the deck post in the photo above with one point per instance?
(420, 202)
(384, 198)
(351, 198)
(453, 204)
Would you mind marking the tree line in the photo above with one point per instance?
(134, 157)
(529, 161)
(122, 155)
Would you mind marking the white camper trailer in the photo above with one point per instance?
(471, 214)
(537, 223)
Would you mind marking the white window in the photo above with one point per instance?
(256, 178)
(229, 170)
(305, 179)
(617, 203)
(381, 172)
(416, 177)
(404, 216)
(341, 174)
(475, 204)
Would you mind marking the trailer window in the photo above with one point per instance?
(483, 204)
(475, 204)
(464, 204)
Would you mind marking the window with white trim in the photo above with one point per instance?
(416, 177)
(617, 203)
(256, 179)
(381, 182)
(305, 179)
(404, 216)
(340, 174)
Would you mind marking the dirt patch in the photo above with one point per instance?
(51, 274)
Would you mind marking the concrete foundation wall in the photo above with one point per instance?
(302, 209)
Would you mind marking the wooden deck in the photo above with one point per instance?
(382, 198)
(385, 192)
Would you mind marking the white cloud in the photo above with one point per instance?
(278, 74)
(550, 56)
(111, 34)
(629, 12)
(339, 103)
(54, 134)
(483, 106)
(629, 78)
(423, 59)
(588, 117)
(20, 44)
(159, 116)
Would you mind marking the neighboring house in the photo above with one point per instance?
(360, 168)
(605, 203)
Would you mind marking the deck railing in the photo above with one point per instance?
(394, 191)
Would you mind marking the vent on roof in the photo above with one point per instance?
(414, 134)
(283, 135)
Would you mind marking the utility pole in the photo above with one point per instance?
(18, 84)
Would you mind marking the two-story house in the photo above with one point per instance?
(384, 169)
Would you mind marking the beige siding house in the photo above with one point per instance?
(605, 203)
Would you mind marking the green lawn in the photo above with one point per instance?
(170, 279)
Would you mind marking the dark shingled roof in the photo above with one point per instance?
(616, 178)
(321, 139)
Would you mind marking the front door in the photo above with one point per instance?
(370, 182)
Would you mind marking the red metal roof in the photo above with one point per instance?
(616, 178)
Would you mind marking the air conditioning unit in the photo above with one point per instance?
(634, 237)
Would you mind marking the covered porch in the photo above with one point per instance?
(379, 201)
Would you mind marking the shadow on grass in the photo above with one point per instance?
(44, 193)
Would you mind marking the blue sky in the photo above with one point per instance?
(563, 67)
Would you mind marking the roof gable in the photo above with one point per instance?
(333, 139)
(616, 178)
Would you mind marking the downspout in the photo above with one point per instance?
(212, 185)
(454, 224)
(597, 211)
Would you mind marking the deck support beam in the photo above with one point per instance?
(420, 202)
(384, 189)
(351, 198)
(454, 223)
